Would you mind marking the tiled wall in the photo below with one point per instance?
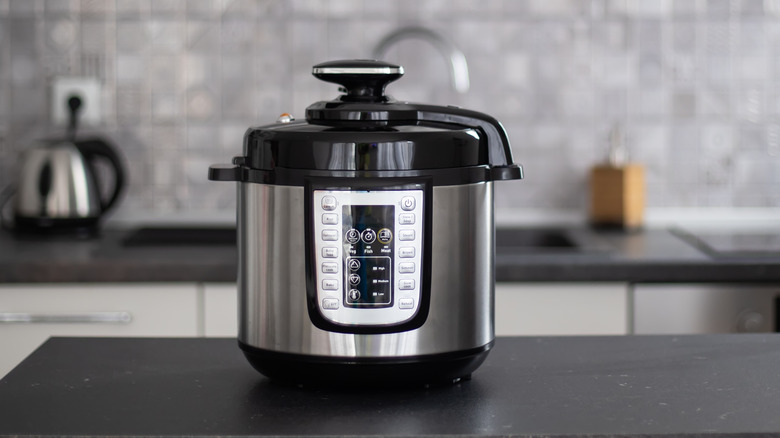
(694, 83)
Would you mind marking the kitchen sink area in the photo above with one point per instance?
(550, 241)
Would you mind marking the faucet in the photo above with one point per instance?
(459, 70)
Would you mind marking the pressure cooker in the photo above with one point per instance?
(366, 236)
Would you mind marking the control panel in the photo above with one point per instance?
(368, 248)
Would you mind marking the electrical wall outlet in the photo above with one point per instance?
(87, 89)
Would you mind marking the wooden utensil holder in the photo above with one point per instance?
(617, 196)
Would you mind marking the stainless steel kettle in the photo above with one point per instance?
(58, 187)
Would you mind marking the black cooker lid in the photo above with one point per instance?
(366, 130)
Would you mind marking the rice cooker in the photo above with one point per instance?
(366, 236)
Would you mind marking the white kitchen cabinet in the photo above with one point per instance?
(34, 312)
(220, 309)
(562, 309)
(521, 309)
(701, 308)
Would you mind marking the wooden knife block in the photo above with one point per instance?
(617, 196)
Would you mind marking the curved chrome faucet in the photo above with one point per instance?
(459, 70)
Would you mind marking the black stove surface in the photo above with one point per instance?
(734, 243)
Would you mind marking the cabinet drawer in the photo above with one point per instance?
(561, 309)
(29, 314)
(706, 308)
(220, 310)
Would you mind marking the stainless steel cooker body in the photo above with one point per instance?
(274, 314)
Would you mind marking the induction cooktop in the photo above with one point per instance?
(734, 243)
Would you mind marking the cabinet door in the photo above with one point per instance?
(220, 310)
(29, 314)
(705, 308)
(561, 309)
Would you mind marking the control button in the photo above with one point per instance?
(352, 236)
(406, 303)
(330, 284)
(330, 235)
(407, 203)
(385, 236)
(330, 252)
(354, 294)
(406, 218)
(330, 268)
(330, 303)
(369, 235)
(354, 265)
(406, 252)
(329, 203)
(406, 268)
(406, 284)
(330, 218)
(406, 235)
(354, 279)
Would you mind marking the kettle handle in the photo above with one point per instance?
(99, 148)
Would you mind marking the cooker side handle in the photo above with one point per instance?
(228, 172)
(502, 167)
(224, 172)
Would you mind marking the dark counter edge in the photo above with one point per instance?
(105, 260)
(117, 272)
(511, 435)
(528, 270)
(621, 271)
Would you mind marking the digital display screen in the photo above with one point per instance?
(369, 236)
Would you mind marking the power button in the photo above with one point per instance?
(329, 203)
(407, 203)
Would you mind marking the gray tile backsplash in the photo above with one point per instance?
(694, 83)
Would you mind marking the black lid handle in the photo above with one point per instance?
(502, 166)
(363, 79)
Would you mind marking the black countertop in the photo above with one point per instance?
(652, 255)
(724, 385)
(104, 258)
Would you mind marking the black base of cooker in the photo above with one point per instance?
(300, 369)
